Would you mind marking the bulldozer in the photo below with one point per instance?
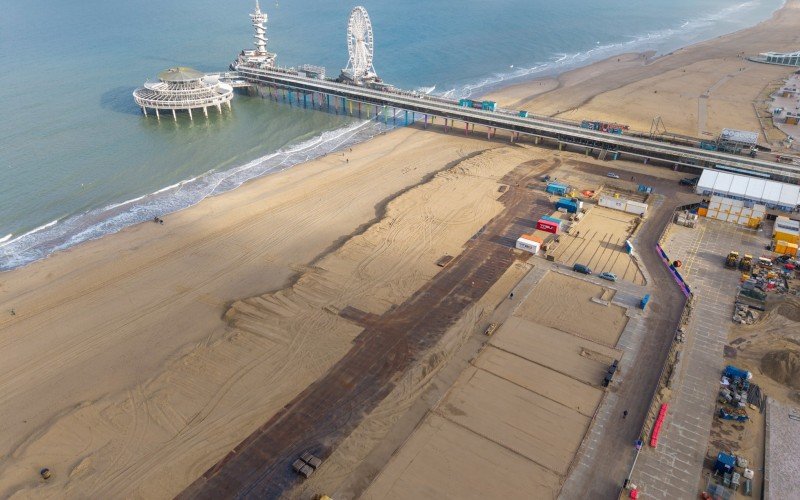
(732, 260)
(746, 264)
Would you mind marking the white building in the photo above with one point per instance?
(749, 190)
(783, 59)
(183, 89)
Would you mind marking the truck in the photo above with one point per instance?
(732, 260)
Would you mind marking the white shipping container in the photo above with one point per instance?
(746, 212)
(743, 220)
(611, 202)
(711, 214)
(733, 217)
(634, 207)
(713, 205)
(528, 245)
(723, 216)
(759, 210)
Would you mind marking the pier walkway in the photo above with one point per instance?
(540, 127)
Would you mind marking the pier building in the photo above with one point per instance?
(183, 89)
(779, 58)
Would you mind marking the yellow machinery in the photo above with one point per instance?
(746, 264)
(732, 260)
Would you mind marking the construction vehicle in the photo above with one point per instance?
(732, 260)
(746, 264)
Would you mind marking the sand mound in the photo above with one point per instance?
(790, 309)
(783, 367)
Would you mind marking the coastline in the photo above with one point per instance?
(129, 307)
(19, 250)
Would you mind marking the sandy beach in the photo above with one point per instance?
(135, 362)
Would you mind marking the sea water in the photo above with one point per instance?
(78, 160)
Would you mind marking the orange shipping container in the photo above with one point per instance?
(787, 237)
(780, 247)
(791, 249)
(702, 211)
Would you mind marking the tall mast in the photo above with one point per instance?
(259, 19)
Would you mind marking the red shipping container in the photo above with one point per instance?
(547, 226)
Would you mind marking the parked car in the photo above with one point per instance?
(580, 268)
(689, 181)
(545, 178)
(608, 276)
(612, 175)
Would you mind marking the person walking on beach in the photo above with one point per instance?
(624, 414)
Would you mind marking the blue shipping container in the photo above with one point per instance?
(708, 145)
(552, 219)
(489, 105)
(556, 188)
(644, 301)
(523, 114)
(569, 205)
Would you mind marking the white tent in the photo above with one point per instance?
(751, 189)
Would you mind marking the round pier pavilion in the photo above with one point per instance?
(183, 89)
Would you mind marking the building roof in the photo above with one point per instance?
(740, 136)
(780, 54)
(180, 74)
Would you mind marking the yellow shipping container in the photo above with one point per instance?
(787, 237)
(780, 247)
(791, 249)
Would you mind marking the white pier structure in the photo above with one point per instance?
(260, 57)
(183, 89)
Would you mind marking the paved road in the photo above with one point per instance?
(609, 454)
(324, 414)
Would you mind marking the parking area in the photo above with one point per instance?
(598, 241)
(673, 469)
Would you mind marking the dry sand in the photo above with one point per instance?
(119, 372)
(565, 303)
(178, 386)
(526, 403)
(695, 90)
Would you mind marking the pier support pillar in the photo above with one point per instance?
(359, 109)
(158, 117)
(144, 110)
(219, 108)
(305, 102)
(344, 101)
(586, 153)
(537, 140)
(205, 111)
(425, 126)
(229, 106)
(645, 160)
(190, 114)
(328, 100)
(413, 118)
(466, 128)
(561, 146)
(394, 116)
(174, 115)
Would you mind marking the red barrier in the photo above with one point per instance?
(662, 413)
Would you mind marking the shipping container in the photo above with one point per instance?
(708, 145)
(780, 247)
(634, 207)
(523, 114)
(557, 189)
(702, 212)
(465, 102)
(784, 223)
(528, 244)
(785, 236)
(567, 204)
(791, 249)
(489, 105)
(547, 226)
(554, 220)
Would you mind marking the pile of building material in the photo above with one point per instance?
(686, 218)
(733, 394)
(744, 315)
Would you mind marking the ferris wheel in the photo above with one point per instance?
(360, 45)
